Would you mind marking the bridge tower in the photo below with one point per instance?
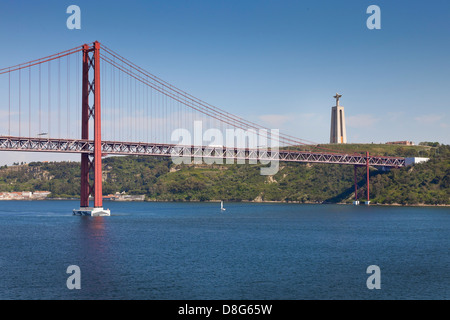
(91, 162)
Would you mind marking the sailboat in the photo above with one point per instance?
(221, 206)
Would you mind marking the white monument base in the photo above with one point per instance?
(367, 203)
(356, 203)
(92, 212)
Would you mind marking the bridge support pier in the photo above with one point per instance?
(91, 60)
(356, 202)
(368, 179)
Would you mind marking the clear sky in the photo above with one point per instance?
(278, 63)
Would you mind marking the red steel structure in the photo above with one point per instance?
(368, 177)
(87, 147)
(140, 107)
(356, 183)
(91, 61)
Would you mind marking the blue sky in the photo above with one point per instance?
(277, 63)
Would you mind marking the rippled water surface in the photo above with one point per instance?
(251, 251)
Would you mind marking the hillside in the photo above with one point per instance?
(160, 180)
(426, 150)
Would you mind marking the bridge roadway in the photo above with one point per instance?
(168, 150)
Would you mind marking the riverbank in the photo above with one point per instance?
(245, 201)
(158, 179)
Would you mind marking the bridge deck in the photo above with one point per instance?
(206, 152)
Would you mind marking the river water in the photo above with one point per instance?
(187, 251)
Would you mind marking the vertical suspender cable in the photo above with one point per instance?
(169, 118)
(59, 98)
(77, 94)
(147, 126)
(49, 98)
(129, 110)
(111, 103)
(140, 113)
(20, 102)
(151, 114)
(105, 98)
(108, 109)
(114, 103)
(68, 97)
(130, 106)
(120, 104)
(29, 102)
(165, 118)
(9, 102)
(40, 99)
(135, 111)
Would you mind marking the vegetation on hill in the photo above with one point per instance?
(425, 149)
(161, 180)
(425, 183)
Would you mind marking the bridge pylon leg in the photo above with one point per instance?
(91, 60)
(368, 178)
(356, 202)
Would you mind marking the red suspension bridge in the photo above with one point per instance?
(92, 101)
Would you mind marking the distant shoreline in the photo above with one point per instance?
(243, 201)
